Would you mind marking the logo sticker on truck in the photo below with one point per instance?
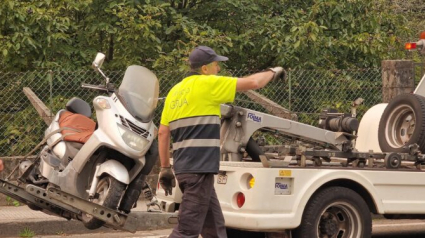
(253, 117)
(283, 186)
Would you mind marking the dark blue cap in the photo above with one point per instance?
(203, 55)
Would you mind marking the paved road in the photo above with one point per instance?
(381, 228)
(144, 234)
(14, 221)
(22, 217)
(399, 228)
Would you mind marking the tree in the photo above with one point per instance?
(160, 34)
(311, 34)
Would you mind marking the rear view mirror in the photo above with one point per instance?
(98, 61)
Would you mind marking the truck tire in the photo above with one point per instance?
(110, 191)
(335, 212)
(403, 123)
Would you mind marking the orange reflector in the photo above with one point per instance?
(251, 182)
(410, 46)
(240, 200)
(422, 35)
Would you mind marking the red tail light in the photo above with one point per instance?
(240, 199)
(410, 46)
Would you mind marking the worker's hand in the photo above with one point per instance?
(279, 72)
(1, 165)
(167, 180)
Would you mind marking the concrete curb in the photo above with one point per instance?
(15, 220)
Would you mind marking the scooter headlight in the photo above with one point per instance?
(132, 139)
(102, 103)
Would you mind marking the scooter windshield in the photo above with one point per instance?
(139, 92)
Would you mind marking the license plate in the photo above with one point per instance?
(222, 179)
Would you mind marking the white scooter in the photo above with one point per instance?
(110, 168)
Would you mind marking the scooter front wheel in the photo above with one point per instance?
(108, 194)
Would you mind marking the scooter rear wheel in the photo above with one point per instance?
(109, 192)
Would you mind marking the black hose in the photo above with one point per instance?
(253, 150)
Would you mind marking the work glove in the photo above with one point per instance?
(167, 180)
(279, 72)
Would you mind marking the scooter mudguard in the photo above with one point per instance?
(115, 169)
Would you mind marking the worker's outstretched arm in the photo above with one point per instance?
(258, 80)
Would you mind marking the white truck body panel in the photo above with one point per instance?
(392, 192)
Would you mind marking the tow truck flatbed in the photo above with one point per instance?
(68, 206)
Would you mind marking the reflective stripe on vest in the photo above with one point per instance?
(202, 131)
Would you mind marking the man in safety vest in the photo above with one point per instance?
(191, 116)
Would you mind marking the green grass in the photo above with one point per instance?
(12, 202)
(27, 233)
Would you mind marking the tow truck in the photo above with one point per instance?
(325, 181)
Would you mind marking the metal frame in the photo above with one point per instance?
(21, 195)
(112, 217)
(239, 124)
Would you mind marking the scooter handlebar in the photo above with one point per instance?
(95, 87)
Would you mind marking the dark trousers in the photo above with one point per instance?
(200, 211)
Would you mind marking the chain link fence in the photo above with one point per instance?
(304, 92)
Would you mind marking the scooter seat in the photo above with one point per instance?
(83, 125)
(79, 106)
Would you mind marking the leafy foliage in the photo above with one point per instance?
(23, 133)
(160, 34)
